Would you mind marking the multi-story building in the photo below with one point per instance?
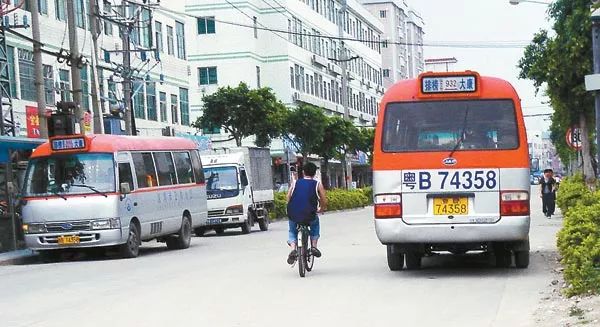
(402, 50)
(161, 84)
(290, 46)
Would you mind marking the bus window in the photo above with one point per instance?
(197, 166)
(144, 169)
(165, 168)
(424, 126)
(183, 165)
(125, 175)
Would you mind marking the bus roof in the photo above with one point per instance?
(107, 143)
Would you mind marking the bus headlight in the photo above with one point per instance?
(34, 228)
(112, 223)
(235, 210)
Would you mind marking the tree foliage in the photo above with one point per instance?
(305, 128)
(558, 63)
(339, 137)
(244, 112)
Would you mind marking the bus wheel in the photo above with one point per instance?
(131, 248)
(263, 223)
(199, 231)
(522, 259)
(413, 260)
(395, 260)
(185, 236)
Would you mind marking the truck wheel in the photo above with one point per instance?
(413, 260)
(522, 259)
(199, 231)
(395, 260)
(247, 226)
(219, 230)
(185, 236)
(131, 248)
(263, 223)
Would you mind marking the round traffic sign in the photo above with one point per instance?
(573, 138)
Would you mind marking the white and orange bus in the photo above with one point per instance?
(110, 190)
(451, 170)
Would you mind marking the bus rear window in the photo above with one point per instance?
(446, 125)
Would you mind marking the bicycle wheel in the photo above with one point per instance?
(301, 254)
(310, 258)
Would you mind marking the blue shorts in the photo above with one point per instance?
(315, 228)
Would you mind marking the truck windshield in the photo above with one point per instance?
(221, 182)
(444, 125)
(81, 173)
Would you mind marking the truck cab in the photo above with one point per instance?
(239, 190)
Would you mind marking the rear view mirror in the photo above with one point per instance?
(125, 189)
(244, 178)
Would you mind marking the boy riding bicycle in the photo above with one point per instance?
(305, 199)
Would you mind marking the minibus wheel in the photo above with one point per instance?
(183, 240)
(49, 256)
(413, 260)
(503, 256)
(522, 259)
(131, 248)
(395, 260)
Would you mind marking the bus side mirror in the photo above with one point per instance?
(125, 189)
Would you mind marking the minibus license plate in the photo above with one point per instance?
(68, 239)
(451, 206)
(214, 221)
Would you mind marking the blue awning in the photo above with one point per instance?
(10, 143)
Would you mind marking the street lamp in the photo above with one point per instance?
(516, 2)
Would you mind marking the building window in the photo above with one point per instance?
(85, 88)
(384, 44)
(79, 13)
(159, 36)
(151, 100)
(386, 73)
(138, 100)
(112, 92)
(170, 47)
(108, 27)
(180, 32)
(43, 7)
(174, 113)
(26, 75)
(292, 77)
(184, 106)
(255, 27)
(65, 85)
(206, 25)
(145, 31)
(162, 97)
(207, 75)
(49, 85)
(10, 56)
(257, 76)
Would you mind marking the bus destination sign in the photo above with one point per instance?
(77, 143)
(448, 84)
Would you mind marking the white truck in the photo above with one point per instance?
(239, 187)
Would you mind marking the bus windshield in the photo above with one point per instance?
(450, 125)
(81, 173)
(221, 182)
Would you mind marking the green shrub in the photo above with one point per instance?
(337, 199)
(573, 191)
(579, 246)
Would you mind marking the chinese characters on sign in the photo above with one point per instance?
(449, 84)
(33, 122)
(68, 144)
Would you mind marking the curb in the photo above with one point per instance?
(18, 257)
(328, 212)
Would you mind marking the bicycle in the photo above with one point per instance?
(304, 253)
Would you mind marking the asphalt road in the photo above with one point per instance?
(243, 280)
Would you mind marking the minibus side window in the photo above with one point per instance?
(144, 169)
(125, 175)
(183, 164)
(197, 165)
(165, 168)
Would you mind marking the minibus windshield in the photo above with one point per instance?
(446, 126)
(221, 182)
(81, 173)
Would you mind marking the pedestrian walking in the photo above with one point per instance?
(548, 192)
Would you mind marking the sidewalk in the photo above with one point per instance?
(17, 257)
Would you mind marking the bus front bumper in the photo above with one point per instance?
(394, 231)
(87, 239)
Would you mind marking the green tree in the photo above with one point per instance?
(365, 141)
(559, 63)
(243, 112)
(339, 136)
(305, 128)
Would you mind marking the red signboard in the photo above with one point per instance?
(573, 138)
(33, 122)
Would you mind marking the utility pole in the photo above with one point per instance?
(38, 69)
(75, 63)
(596, 54)
(98, 119)
(129, 115)
(347, 162)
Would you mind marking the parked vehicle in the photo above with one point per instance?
(458, 184)
(112, 190)
(239, 186)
